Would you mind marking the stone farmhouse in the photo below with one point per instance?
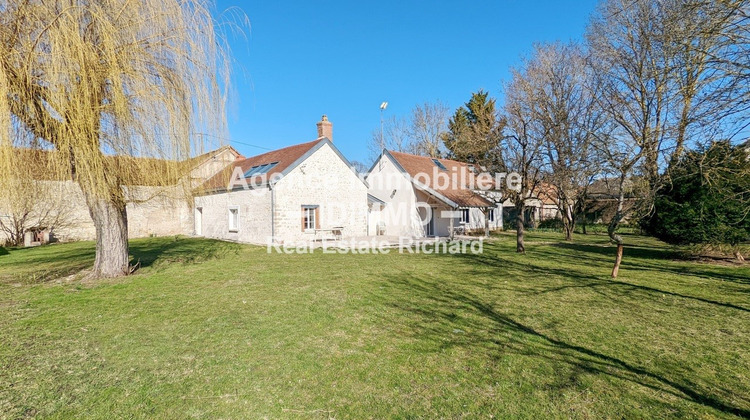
(297, 194)
(427, 197)
(301, 193)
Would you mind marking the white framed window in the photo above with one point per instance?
(491, 215)
(464, 215)
(310, 217)
(234, 218)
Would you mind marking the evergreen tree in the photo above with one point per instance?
(474, 133)
(708, 200)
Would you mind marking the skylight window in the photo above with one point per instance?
(260, 169)
(439, 165)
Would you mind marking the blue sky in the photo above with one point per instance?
(303, 59)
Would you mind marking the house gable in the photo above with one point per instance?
(280, 162)
(323, 180)
(420, 168)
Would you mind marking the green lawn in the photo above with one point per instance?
(215, 330)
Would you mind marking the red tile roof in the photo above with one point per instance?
(458, 190)
(285, 157)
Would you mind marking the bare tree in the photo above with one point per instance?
(395, 136)
(360, 167)
(29, 205)
(522, 144)
(111, 77)
(670, 74)
(419, 133)
(428, 123)
(630, 57)
(565, 116)
(708, 44)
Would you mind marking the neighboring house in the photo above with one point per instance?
(541, 204)
(600, 202)
(415, 200)
(300, 193)
(152, 210)
(546, 204)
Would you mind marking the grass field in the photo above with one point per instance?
(215, 330)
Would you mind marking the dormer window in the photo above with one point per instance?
(439, 164)
(260, 169)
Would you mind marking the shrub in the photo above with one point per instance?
(555, 223)
(707, 200)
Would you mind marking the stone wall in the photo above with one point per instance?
(323, 180)
(254, 208)
(157, 211)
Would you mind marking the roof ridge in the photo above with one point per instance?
(430, 157)
(282, 149)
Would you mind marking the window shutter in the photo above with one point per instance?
(303, 219)
(317, 218)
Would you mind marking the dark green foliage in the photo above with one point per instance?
(475, 132)
(554, 223)
(708, 200)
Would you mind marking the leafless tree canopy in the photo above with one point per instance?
(654, 78)
(566, 119)
(418, 133)
(671, 74)
(522, 144)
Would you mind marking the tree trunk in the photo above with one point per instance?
(568, 232)
(520, 218)
(111, 222)
(614, 224)
(583, 225)
(569, 223)
(618, 260)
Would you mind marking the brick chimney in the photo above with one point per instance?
(325, 128)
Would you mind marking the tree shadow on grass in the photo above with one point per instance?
(651, 258)
(154, 252)
(598, 283)
(433, 307)
(651, 292)
(53, 262)
(45, 263)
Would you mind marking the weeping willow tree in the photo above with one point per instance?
(108, 88)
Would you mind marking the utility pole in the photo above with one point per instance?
(383, 106)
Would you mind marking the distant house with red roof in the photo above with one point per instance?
(296, 194)
(429, 197)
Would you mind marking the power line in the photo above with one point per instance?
(233, 141)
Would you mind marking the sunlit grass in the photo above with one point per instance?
(216, 330)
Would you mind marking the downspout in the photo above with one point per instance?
(502, 211)
(273, 212)
(451, 233)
